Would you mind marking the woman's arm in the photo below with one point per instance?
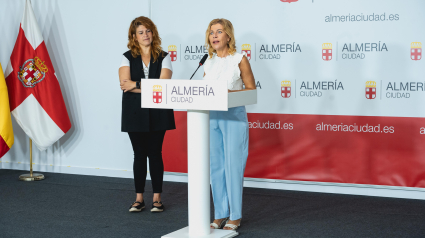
(130, 86)
(125, 82)
(166, 73)
(167, 68)
(246, 75)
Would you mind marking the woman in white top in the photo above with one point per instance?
(228, 129)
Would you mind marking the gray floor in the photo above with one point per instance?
(86, 206)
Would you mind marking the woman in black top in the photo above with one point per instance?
(145, 127)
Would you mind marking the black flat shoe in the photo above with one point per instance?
(157, 209)
(137, 208)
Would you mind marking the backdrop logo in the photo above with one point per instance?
(157, 94)
(32, 72)
(172, 50)
(370, 89)
(416, 51)
(326, 51)
(289, 1)
(359, 50)
(285, 89)
(194, 52)
(247, 49)
(274, 51)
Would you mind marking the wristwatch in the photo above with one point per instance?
(137, 84)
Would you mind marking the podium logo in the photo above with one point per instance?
(157, 94)
(247, 49)
(289, 1)
(172, 50)
(326, 51)
(416, 50)
(32, 72)
(285, 90)
(370, 89)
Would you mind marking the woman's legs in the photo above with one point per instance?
(156, 165)
(228, 155)
(235, 136)
(138, 140)
(147, 144)
(218, 180)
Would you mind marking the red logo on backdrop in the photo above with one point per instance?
(32, 72)
(172, 50)
(326, 51)
(157, 94)
(370, 89)
(416, 51)
(285, 90)
(247, 49)
(289, 1)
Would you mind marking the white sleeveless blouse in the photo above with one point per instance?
(226, 68)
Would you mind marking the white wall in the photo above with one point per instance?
(85, 40)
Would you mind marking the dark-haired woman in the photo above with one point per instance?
(145, 127)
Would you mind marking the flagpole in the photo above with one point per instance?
(31, 176)
(30, 157)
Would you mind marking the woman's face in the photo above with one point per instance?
(144, 35)
(218, 38)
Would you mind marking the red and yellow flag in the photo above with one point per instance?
(6, 130)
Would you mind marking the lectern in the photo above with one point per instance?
(198, 97)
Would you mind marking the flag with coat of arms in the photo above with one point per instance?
(35, 96)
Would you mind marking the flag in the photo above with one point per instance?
(35, 96)
(6, 130)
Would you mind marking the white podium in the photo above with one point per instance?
(198, 97)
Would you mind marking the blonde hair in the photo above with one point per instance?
(228, 28)
(134, 46)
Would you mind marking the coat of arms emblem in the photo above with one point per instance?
(247, 49)
(157, 94)
(326, 51)
(416, 50)
(32, 72)
(285, 90)
(370, 89)
(172, 50)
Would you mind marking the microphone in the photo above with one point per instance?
(200, 64)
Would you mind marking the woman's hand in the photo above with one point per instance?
(127, 85)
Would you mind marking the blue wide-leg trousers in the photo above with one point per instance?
(228, 155)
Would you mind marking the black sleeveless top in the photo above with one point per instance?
(137, 119)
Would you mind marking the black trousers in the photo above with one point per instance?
(147, 144)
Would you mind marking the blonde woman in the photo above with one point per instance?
(228, 129)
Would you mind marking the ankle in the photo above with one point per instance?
(139, 197)
(157, 197)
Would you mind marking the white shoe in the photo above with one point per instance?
(215, 226)
(137, 208)
(232, 227)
